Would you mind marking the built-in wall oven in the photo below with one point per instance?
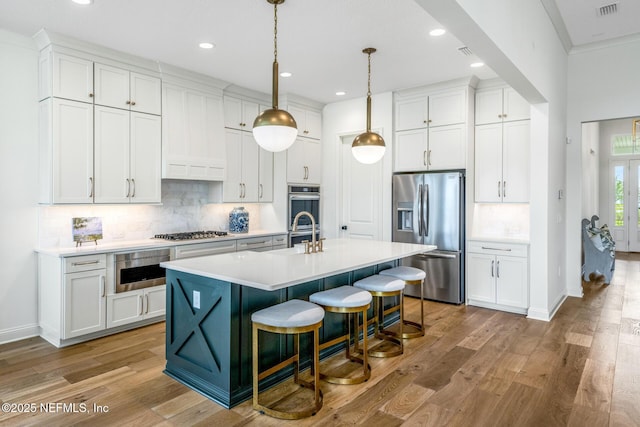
(140, 269)
(303, 198)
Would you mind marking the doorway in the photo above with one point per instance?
(624, 204)
(361, 195)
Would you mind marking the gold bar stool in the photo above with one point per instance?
(290, 317)
(411, 276)
(380, 287)
(352, 301)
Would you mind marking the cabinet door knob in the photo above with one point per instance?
(424, 121)
(128, 102)
(133, 102)
(90, 95)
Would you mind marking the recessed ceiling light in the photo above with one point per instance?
(341, 93)
(477, 64)
(83, 2)
(437, 32)
(285, 74)
(207, 45)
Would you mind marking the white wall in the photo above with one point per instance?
(18, 178)
(590, 174)
(518, 41)
(602, 84)
(348, 118)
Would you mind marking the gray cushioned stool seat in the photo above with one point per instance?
(344, 296)
(379, 283)
(290, 314)
(405, 273)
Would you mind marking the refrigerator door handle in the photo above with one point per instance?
(426, 210)
(427, 255)
(420, 209)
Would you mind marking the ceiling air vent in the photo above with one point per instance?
(465, 50)
(608, 9)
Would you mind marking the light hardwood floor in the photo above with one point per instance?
(474, 367)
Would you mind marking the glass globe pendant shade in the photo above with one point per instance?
(275, 130)
(368, 148)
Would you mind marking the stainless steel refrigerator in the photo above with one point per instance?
(428, 208)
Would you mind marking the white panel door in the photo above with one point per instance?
(618, 203)
(447, 147)
(112, 86)
(447, 108)
(511, 281)
(481, 283)
(112, 177)
(411, 150)
(634, 206)
(145, 162)
(250, 168)
(412, 113)
(361, 196)
(72, 78)
(515, 161)
(488, 106)
(84, 303)
(232, 185)
(72, 133)
(145, 94)
(488, 163)
(515, 106)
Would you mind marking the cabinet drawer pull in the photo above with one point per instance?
(504, 189)
(496, 249)
(429, 158)
(256, 243)
(128, 188)
(141, 305)
(492, 263)
(103, 286)
(498, 269)
(261, 191)
(424, 157)
(90, 187)
(133, 185)
(146, 300)
(97, 261)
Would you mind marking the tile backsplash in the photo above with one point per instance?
(504, 220)
(184, 207)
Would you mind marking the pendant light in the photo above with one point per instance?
(368, 147)
(275, 129)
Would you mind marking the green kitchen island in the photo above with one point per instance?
(210, 301)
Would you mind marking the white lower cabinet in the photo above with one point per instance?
(84, 301)
(133, 306)
(498, 275)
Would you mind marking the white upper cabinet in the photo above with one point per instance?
(431, 109)
(91, 136)
(500, 105)
(432, 129)
(193, 139)
(127, 156)
(502, 162)
(242, 182)
(65, 76)
(120, 88)
(240, 113)
(309, 121)
(66, 151)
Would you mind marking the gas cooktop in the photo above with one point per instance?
(191, 235)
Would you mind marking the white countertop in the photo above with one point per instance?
(88, 248)
(286, 267)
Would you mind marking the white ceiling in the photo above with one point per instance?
(320, 42)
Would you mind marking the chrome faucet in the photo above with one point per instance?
(314, 245)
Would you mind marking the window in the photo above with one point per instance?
(623, 145)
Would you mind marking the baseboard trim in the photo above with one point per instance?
(19, 333)
(546, 315)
